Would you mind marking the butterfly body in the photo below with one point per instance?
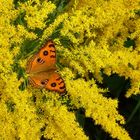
(42, 70)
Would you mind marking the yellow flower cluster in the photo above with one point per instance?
(104, 111)
(18, 117)
(61, 124)
(78, 27)
(108, 27)
(97, 31)
(51, 28)
(36, 13)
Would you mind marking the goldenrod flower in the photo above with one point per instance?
(92, 38)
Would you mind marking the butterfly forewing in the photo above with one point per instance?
(44, 60)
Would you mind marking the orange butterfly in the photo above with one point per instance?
(42, 70)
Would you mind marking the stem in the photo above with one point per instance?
(133, 113)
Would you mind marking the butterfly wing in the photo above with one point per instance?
(48, 80)
(44, 60)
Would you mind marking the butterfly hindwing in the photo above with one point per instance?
(48, 80)
(44, 60)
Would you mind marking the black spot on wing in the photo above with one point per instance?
(63, 87)
(61, 82)
(45, 53)
(52, 51)
(44, 82)
(51, 46)
(41, 61)
(59, 78)
(52, 56)
(53, 84)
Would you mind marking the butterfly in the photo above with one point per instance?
(41, 69)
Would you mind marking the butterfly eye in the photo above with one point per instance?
(45, 53)
(53, 84)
